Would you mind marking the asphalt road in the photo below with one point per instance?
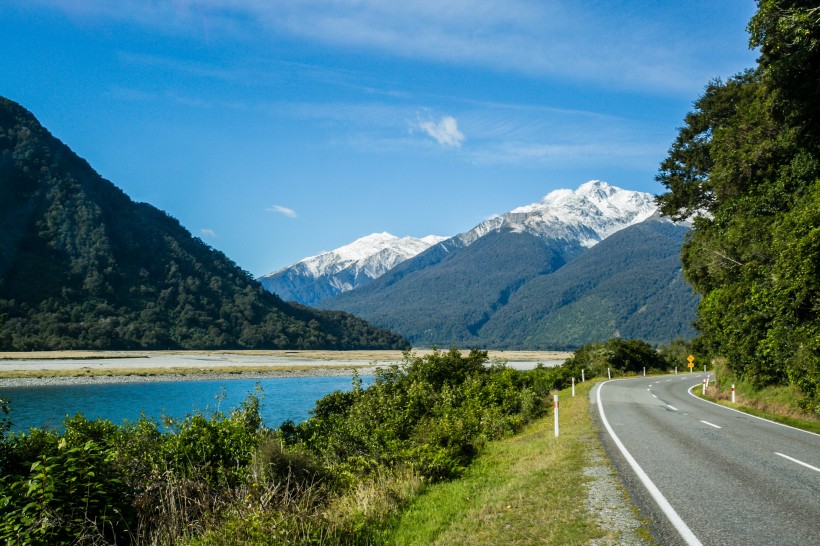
(712, 475)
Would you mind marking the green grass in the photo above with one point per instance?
(528, 489)
(771, 404)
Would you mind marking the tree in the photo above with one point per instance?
(746, 164)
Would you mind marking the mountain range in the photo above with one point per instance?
(352, 266)
(576, 266)
(84, 266)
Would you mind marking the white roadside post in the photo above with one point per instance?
(573, 387)
(555, 408)
(704, 386)
(644, 371)
(582, 375)
(608, 374)
(733, 394)
(676, 370)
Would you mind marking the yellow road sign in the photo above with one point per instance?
(690, 358)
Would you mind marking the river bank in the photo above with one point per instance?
(93, 367)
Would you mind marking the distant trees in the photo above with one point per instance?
(747, 161)
(620, 355)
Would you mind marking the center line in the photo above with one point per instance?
(710, 424)
(670, 406)
(792, 459)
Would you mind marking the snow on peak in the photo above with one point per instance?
(372, 254)
(588, 214)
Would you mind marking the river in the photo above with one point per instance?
(283, 398)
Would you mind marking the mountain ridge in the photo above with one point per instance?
(82, 266)
(324, 275)
(458, 291)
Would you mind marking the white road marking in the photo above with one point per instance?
(710, 424)
(695, 396)
(684, 530)
(670, 406)
(792, 459)
(653, 396)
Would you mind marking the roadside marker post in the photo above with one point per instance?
(733, 393)
(573, 387)
(582, 375)
(704, 386)
(676, 370)
(555, 409)
(644, 371)
(608, 374)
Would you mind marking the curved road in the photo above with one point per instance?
(706, 474)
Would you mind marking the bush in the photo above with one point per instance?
(624, 356)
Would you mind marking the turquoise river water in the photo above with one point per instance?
(282, 399)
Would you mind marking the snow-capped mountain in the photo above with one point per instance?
(474, 288)
(587, 215)
(567, 218)
(345, 268)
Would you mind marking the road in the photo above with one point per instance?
(713, 476)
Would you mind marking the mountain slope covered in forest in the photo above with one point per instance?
(512, 282)
(83, 266)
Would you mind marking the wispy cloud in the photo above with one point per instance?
(208, 233)
(445, 131)
(284, 211)
(554, 38)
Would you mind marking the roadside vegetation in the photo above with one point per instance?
(223, 478)
(350, 474)
(779, 403)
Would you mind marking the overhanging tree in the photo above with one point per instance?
(746, 164)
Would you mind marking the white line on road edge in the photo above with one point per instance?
(792, 459)
(670, 406)
(710, 424)
(747, 414)
(676, 521)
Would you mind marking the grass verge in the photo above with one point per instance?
(773, 403)
(528, 489)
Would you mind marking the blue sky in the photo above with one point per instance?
(275, 130)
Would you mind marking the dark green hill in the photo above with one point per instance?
(513, 290)
(629, 285)
(446, 294)
(83, 266)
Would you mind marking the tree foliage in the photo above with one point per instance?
(619, 355)
(747, 163)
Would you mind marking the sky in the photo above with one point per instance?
(279, 129)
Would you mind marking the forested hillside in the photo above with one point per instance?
(445, 297)
(748, 162)
(513, 290)
(83, 266)
(629, 285)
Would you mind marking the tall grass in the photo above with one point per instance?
(780, 403)
(528, 489)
